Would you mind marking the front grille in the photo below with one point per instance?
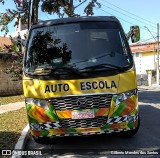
(88, 102)
(85, 123)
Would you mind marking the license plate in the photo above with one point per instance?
(83, 114)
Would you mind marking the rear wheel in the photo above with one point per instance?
(131, 133)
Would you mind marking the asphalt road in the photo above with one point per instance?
(141, 145)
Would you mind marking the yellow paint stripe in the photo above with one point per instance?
(64, 114)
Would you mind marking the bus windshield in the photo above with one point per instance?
(78, 46)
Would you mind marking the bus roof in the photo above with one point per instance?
(73, 20)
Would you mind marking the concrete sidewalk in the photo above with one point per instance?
(11, 107)
(153, 87)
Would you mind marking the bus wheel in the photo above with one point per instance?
(131, 133)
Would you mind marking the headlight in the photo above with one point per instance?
(123, 96)
(38, 102)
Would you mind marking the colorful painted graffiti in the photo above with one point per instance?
(120, 116)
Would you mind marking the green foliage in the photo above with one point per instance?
(8, 16)
(59, 7)
(29, 8)
(1, 49)
(89, 8)
(15, 70)
(63, 7)
(2, 1)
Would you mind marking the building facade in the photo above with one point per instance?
(20, 29)
(145, 57)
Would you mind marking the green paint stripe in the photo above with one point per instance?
(106, 127)
(71, 130)
(130, 124)
(44, 133)
(113, 99)
(31, 120)
(95, 110)
(121, 108)
(28, 106)
(51, 107)
(51, 115)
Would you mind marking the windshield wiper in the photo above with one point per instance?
(70, 69)
(49, 70)
(111, 54)
(102, 67)
(40, 71)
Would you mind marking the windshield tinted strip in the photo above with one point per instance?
(99, 25)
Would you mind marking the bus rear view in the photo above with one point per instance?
(79, 79)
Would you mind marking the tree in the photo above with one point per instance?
(15, 69)
(28, 9)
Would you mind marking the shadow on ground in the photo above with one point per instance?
(8, 139)
(149, 96)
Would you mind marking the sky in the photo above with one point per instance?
(144, 13)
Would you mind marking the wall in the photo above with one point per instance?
(144, 61)
(148, 61)
(144, 57)
(7, 85)
(15, 34)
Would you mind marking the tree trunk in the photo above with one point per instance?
(29, 15)
(35, 5)
(71, 8)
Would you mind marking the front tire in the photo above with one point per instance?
(131, 133)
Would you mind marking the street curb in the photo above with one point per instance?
(148, 87)
(22, 141)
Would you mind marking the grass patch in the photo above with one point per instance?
(11, 99)
(11, 125)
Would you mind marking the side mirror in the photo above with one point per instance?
(135, 33)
